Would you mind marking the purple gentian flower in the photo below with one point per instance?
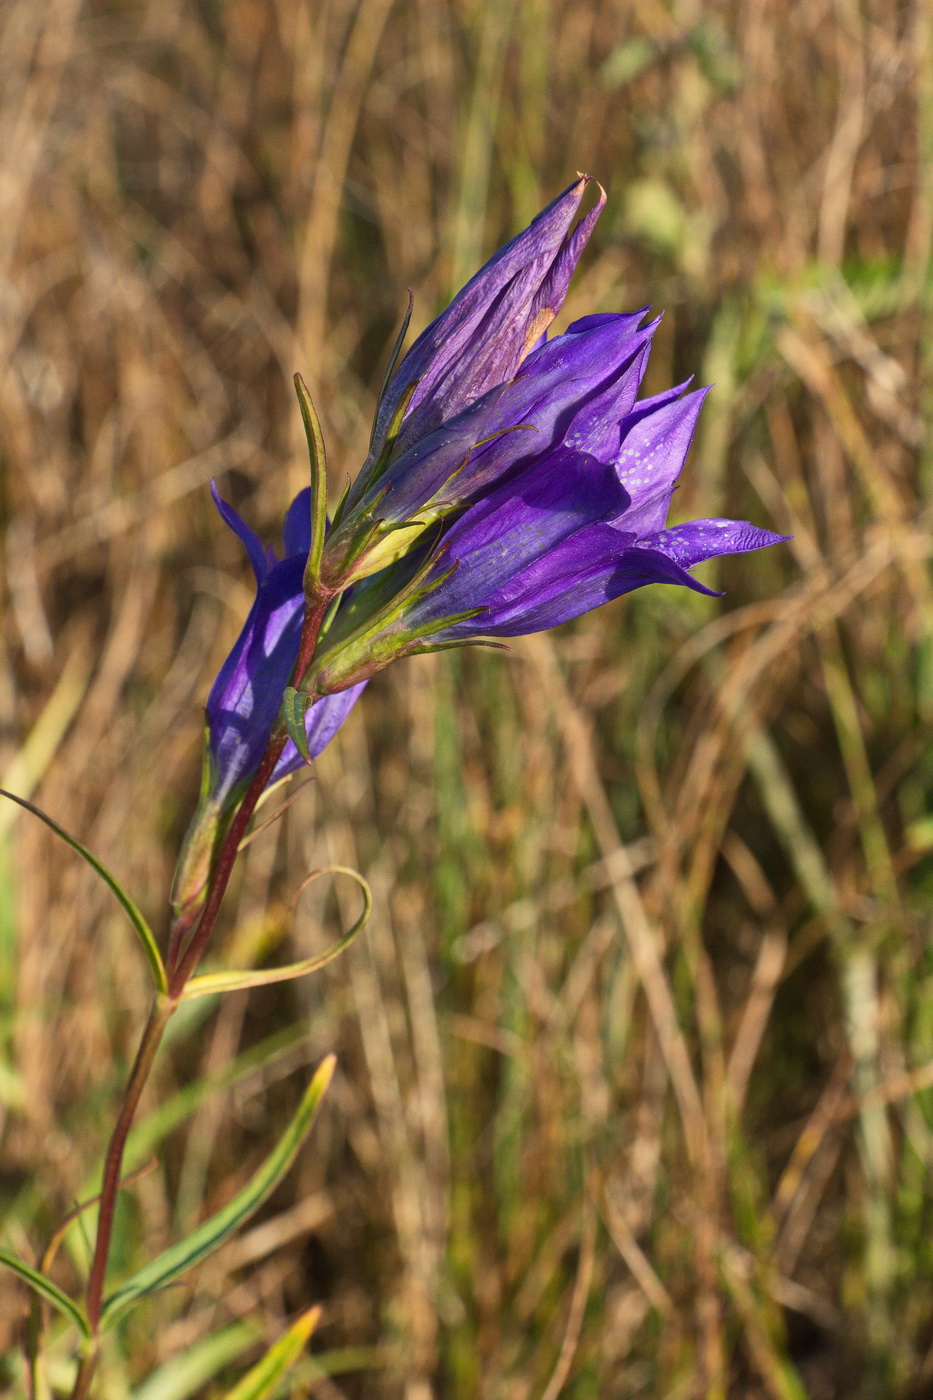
(571, 528)
(572, 532)
(455, 390)
(245, 698)
(512, 483)
(491, 325)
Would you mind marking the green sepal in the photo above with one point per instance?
(263, 1380)
(131, 909)
(390, 367)
(331, 613)
(295, 705)
(341, 504)
(451, 643)
(210, 983)
(410, 592)
(202, 839)
(394, 428)
(318, 456)
(364, 652)
(358, 546)
(207, 1238)
(437, 505)
(47, 1290)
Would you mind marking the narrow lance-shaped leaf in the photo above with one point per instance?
(133, 912)
(47, 1289)
(295, 705)
(210, 983)
(318, 484)
(262, 1381)
(207, 1238)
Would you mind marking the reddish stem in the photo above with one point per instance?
(189, 959)
(226, 860)
(164, 1006)
(162, 1009)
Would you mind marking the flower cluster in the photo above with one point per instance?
(513, 482)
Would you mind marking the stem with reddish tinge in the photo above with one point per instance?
(162, 1010)
(164, 1006)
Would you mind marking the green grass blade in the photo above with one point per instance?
(207, 1238)
(149, 1132)
(262, 1380)
(47, 1290)
(133, 912)
(188, 1373)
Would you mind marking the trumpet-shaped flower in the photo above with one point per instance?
(245, 699)
(246, 696)
(512, 483)
(570, 529)
(453, 394)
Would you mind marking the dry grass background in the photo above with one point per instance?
(635, 1057)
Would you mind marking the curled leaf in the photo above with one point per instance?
(210, 983)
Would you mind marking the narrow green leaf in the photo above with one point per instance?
(133, 912)
(207, 1238)
(48, 1290)
(318, 483)
(392, 432)
(295, 705)
(261, 1381)
(210, 983)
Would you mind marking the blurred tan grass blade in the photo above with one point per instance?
(642, 937)
(26, 769)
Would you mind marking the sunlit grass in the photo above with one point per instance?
(634, 1086)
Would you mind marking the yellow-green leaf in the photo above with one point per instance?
(209, 983)
(262, 1380)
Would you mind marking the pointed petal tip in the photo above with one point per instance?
(579, 188)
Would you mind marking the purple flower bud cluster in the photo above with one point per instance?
(513, 483)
